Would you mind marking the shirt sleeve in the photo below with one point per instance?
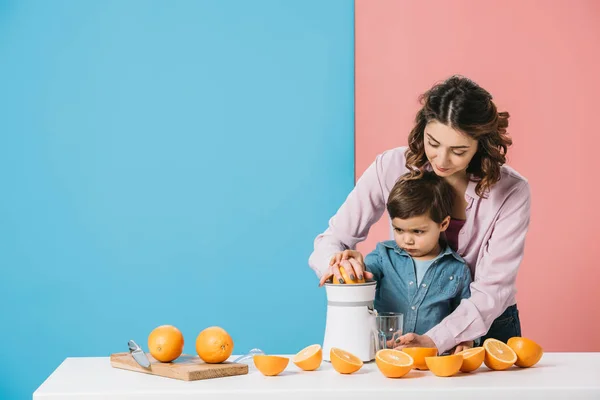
(495, 276)
(373, 264)
(350, 225)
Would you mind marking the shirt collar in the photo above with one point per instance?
(470, 192)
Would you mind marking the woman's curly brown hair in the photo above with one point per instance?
(463, 105)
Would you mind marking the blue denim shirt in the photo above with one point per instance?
(443, 286)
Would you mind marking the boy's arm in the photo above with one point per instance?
(464, 290)
(373, 264)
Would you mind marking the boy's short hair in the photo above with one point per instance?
(414, 196)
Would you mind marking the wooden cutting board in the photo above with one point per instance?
(186, 367)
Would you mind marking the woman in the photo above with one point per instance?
(460, 135)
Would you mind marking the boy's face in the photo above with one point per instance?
(418, 236)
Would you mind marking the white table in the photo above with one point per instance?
(557, 376)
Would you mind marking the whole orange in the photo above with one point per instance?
(214, 345)
(528, 352)
(165, 343)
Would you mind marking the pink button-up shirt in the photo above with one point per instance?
(491, 241)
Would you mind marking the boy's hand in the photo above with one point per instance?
(463, 346)
(414, 340)
(353, 263)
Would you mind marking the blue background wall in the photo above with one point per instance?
(166, 163)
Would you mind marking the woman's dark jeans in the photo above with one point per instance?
(504, 327)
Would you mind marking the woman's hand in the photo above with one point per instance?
(353, 263)
(414, 340)
(463, 346)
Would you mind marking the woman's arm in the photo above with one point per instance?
(362, 208)
(495, 276)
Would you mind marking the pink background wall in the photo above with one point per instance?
(540, 61)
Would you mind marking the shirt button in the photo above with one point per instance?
(414, 308)
(424, 285)
(410, 283)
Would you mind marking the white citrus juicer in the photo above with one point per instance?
(351, 320)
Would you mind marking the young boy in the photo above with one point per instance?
(417, 273)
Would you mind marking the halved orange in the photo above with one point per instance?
(418, 354)
(393, 363)
(270, 365)
(528, 352)
(472, 359)
(309, 358)
(444, 365)
(344, 362)
(498, 356)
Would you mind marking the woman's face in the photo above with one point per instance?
(448, 150)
